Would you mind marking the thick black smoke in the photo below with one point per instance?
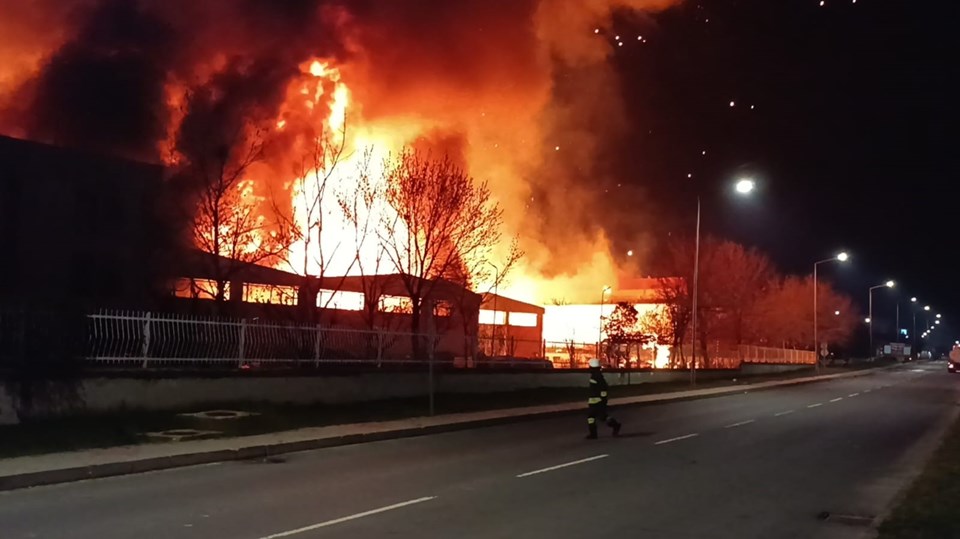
(104, 89)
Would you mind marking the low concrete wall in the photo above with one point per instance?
(757, 368)
(104, 395)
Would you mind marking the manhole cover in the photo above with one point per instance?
(219, 414)
(846, 520)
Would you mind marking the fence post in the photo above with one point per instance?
(145, 347)
(243, 336)
(316, 349)
(379, 348)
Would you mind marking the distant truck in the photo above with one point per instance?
(897, 350)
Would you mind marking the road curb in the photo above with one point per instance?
(263, 451)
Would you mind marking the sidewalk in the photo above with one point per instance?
(20, 472)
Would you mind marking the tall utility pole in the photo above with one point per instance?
(600, 330)
(743, 187)
(841, 257)
(897, 328)
(496, 295)
(696, 279)
(888, 284)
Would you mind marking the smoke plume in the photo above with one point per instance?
(520, 91)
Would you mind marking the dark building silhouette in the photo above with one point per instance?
(79, 229)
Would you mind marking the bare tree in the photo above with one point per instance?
(666, 325)
(734, 280)
(787, 310)
(362, 203)
(316, 209)
(495, 273)
(228, 221)
(624, 333)
(445, 224)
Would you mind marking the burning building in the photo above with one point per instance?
(288, 107)
(573, 332)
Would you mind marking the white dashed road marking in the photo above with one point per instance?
(349, 518)
(815, 405)
(838, 399)
(565, 465)
(677, 439)
(778, 414)
(740, 424)
(853, 395)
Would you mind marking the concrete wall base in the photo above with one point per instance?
(100, 395)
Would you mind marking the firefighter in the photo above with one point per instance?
(597, 404)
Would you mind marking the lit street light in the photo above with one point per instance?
(867, 320)
(888, 284)
(926, 308)
(840, 257)
(744, 186)
(836, 313)
(938, 315)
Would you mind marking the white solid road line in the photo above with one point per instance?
(558, 466)
(815, 405)
(349, 518)
(853, 395)
(677, 439)
(778, 414)
(740, 424)
(838, 399)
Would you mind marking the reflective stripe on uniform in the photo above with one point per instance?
(591, 421)
(603, 393)
(594, 400)
(592, 381)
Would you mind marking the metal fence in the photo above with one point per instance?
(150, 339)
(765, 354)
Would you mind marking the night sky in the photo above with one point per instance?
(840, 112)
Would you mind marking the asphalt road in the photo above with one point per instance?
(761, 464)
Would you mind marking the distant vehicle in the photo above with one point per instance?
(953, 362)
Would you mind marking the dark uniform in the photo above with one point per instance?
(597, 404)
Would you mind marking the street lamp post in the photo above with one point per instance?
(913, 336)
(888, 284)
(496, 295)
(696, 279)
(896, 328)
(744, 186)
(841, 257)
(600, 330)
